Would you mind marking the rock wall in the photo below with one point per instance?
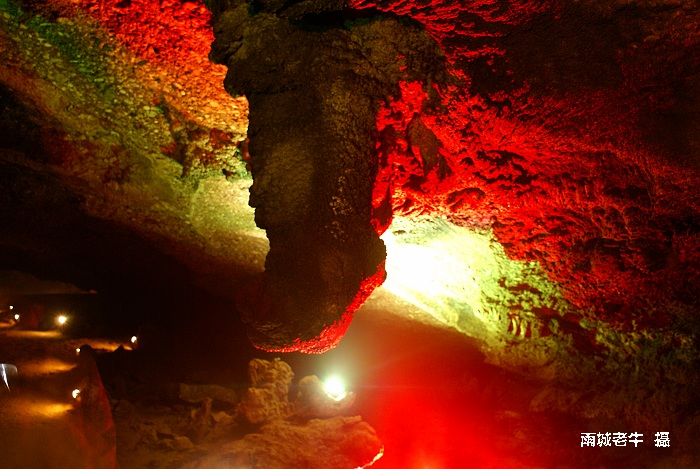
(566, 132)
(541, 123)
(117, 136)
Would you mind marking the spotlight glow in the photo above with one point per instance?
(335, 388)
(75, 393)
(12, 307)
(61, 320)
(16, 317)
(134, 339)
(77, 351)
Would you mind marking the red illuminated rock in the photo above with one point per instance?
(545, 143)
(554, 134)
(567, 130)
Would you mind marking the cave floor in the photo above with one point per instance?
(426, 390)
(41, 423)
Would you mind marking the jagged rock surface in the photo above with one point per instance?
(337, 443)
(269, 429)
(288, 435)
(267, 399)
(312, 132)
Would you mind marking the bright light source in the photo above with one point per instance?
(12, 307)
(77, 351)
(335, 388)
(61, 320)
(134, 339)
(75, 393)
(16, 317)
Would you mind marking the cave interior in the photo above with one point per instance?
(481, 218)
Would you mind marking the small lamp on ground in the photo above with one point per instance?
(61, 320)
(335, 388)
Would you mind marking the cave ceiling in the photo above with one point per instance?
(525, 172)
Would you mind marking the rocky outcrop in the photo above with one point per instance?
(302, 430)
(105, 129)
(542, 155)
(543, 180)
(531, 130)
(314, 79)
(267, 398)
(273, 427)
(562, 138)
(340, 443)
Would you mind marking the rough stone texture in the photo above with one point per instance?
(337, 443)
(267, 430)
(306, 431)
(117, 141)
(312, 138)
(267, 398)
(164, 436)
(557, 156)
(589, 171)
(561, 138)
(201, 421)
